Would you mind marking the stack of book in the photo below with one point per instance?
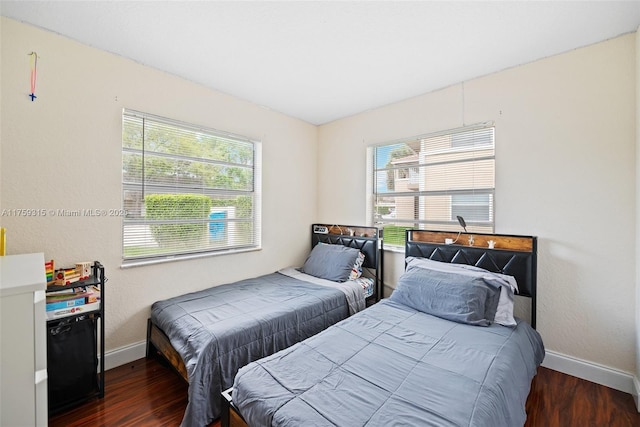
(72, 301)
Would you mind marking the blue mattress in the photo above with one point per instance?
(220, 329)
(392, 365)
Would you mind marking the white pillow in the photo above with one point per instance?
(507, 284)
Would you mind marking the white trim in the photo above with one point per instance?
(123, 355)
(142, 262)
(636, 394)
(590, 371)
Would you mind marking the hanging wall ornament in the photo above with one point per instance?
(34, 73)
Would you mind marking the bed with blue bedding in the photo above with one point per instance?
(208, 335)
(444, 350)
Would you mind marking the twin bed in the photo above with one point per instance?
(443, 350)
(208, 335)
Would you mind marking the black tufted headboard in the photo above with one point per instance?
(367, 239)
(512, 254)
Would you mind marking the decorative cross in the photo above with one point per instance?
(33, 96)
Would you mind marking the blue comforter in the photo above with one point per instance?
(392, 365)
(218, 330)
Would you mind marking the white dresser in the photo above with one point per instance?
(23, 341)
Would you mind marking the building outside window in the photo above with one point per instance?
(427, 181)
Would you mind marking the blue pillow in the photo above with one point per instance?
(507, 284)
(330, 262)
(462, 299)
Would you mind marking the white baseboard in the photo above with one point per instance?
(599, 374)
(636, 395)
(123, 355)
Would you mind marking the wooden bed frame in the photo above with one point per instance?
(367, 239)
(513, 255)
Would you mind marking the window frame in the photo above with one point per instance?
(142, 184)
(383, 206)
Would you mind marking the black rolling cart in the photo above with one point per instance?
(75, 345)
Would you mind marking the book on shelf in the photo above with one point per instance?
(67, 303)
(89, 292)
(72, 301)
(70, 311)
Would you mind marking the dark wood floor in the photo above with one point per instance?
(148, 393)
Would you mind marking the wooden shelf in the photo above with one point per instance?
(502, 241)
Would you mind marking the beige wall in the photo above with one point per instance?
(565, 172)
(637, 376)
(63, 151)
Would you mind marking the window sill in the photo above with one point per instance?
(143, 262)
(396, 249)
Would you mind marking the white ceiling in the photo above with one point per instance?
(324, 60)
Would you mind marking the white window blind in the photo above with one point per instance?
(186, 190)
(427, 181)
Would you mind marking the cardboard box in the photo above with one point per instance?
(72, 311)
(57, 305)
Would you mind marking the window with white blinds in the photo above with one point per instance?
(187, 191)
(428, 181)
